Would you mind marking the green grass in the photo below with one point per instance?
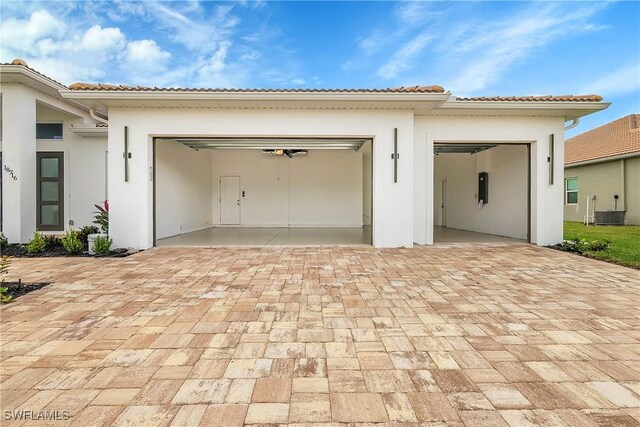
(625, 241)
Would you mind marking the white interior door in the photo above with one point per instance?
(229, 200)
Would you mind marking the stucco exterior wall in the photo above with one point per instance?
(84, 161)
(604, 180)
(132, 203)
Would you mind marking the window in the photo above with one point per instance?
(48, 130)
(50, 191)
(571, 190)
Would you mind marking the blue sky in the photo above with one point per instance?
(470, 48)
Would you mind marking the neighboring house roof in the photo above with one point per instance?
(617, 138)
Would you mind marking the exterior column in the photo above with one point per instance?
(18, 163)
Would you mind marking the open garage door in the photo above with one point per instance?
(482, 192)
(262, 191)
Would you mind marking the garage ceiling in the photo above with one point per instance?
(268, 143)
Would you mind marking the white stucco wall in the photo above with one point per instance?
(184, 189)
(131, 202)
(84, 168)
(547, 200)
(323, 188)
(84, 161)
(506, 212)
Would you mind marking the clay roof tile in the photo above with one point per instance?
(616, 138)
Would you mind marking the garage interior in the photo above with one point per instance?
(482, 192)
(221, 191)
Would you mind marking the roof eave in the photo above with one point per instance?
(568, 109)
(8, 74)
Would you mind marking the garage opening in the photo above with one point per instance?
(220, 191)
(482, 192)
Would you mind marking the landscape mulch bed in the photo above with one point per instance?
(20, 251)
(16, 289)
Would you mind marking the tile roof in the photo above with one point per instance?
(127, 88)
(616, 138)
(537, 98)
(23, 63)
(401, 89)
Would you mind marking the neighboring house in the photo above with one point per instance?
(400, 161)
(602, 169)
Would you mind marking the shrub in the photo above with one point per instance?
(4, 269)
(37, 243)
(51, 241)
(581, 246)
(4, 242)
(102, 245)
(85, 231)
(102, 216)
(72, 242)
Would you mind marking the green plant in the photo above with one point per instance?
(581, 246)
(84, 232)
(4, 242)
(4, 291)
(51, 241)
(101, 245)
(72, 242)
(102, 217)
(37, 243)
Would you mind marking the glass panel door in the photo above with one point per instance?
(50, 194)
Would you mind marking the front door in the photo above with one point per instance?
(230, 200)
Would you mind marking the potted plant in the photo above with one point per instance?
(101, 218)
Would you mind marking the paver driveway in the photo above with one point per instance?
(466, 335)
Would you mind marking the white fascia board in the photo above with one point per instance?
(583, 108)
(8, 73)
(18, 74)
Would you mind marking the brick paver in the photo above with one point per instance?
(463, 334)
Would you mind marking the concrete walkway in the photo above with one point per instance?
(468, 335)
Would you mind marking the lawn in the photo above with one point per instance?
(625, 241)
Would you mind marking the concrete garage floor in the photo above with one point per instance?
(493, 335)
(453, 235)
(271, 236)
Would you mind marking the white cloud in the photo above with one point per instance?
(22, 34)
(98, 38)
(621, 81)
(484, 52)
(146, 52)
(402, 60)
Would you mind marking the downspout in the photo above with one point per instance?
(92, 113)
(573, 124)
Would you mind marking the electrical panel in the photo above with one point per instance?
(483, 187)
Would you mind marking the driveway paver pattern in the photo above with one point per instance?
(462, 335)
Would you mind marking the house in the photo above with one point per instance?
(394, 166)
(602, 173)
